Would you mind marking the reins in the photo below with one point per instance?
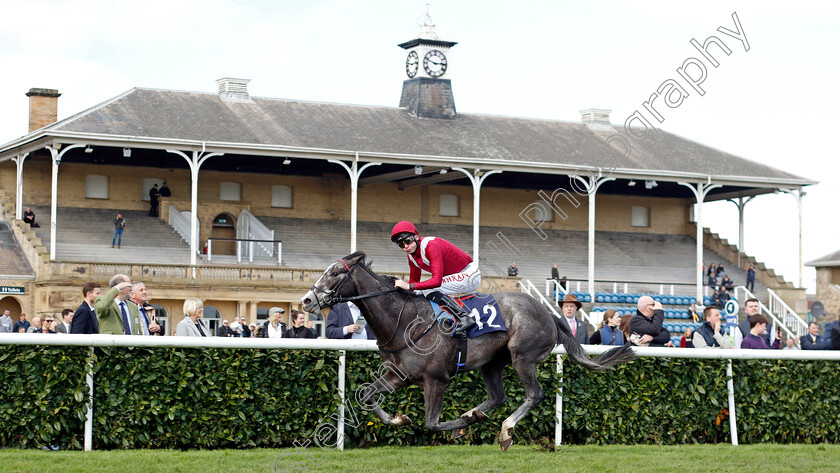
(331, 299)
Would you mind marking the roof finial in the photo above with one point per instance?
(427, 26)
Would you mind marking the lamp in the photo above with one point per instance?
(287, 161)
(88, 149)
(418, 169)
(444, 170)
(126, 152)
(631, 183)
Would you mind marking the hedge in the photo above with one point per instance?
(240, 398)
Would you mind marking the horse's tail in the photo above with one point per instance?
(614, 357)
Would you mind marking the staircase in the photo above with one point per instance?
(86, 235)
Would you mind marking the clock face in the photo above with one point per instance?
(434, 62)
(412, 62)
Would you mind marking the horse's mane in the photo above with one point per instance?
(387, 281)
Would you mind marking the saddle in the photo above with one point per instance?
(484, 309)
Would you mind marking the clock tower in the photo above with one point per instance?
(427, 91)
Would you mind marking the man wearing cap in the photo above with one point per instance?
(647, 324)
(570, 306)
(345, 320)
(453, 270)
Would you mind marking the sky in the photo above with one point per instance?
(543, 59)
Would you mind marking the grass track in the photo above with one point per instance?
(458, 458)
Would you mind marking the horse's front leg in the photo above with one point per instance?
(433, 394)
(368, 397)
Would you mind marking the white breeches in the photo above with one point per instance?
(462, 282)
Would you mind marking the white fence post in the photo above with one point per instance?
(89, 417)
(341, 375)
(209, 249)
(558, 406)
(730, 386)
(279, 252)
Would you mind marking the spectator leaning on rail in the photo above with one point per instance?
(608, 332)
(709, 334)
(812, 340)
(646, 326)
(758, 324)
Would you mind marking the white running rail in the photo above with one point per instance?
(249, 227)
(180, 223)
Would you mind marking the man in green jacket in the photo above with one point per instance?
(116, 315)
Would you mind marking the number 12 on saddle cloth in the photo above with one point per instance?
(483, 308)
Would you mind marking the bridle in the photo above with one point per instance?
(331, 296)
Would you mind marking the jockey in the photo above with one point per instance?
(453, 270)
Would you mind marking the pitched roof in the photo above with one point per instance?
(205, 117)
(831, 259)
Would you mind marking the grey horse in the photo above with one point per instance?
(423, 351)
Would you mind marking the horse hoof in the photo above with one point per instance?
(401, 419)
(505, 440)
(475, 416)
(458, 432)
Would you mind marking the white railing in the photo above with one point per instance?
(180, 223)
(342, 346)
(791, 331)
(528, 287)
(249, 227)
(789, 318)
(625, 287)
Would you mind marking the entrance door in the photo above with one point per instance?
(224, 226)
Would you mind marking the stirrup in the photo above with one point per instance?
(463, 324)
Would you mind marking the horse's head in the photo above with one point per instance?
(332, 284)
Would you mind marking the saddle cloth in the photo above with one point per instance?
(481, 307)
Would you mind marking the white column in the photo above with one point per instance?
(198, 158)
(354, 172)
(591, 186)
(19, 185)
(741, 203)
(700, 195)
(56, 161)
(476, 178)
(798, 194)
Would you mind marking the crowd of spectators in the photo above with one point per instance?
(646, 328)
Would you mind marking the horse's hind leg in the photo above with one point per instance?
(527, 371)
(492, 375)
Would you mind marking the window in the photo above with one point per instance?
(230, 191)
(147, 185)
(281, 196)
(640, 216)
(96, 187)
(449, 205)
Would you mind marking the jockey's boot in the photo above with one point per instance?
(463, 320)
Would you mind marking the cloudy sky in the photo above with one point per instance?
(545, 59)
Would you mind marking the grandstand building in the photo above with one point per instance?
(266, 192)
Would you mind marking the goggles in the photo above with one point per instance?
(402, 243)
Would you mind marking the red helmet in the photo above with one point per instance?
(403, 227)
